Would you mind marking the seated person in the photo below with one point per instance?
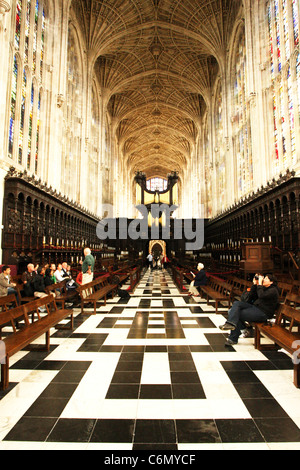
(49, 278)
(200, 279)
(39, 287)
(265, 291)
(27, 279)
(65, 272)
(7, 287)
(59, 273)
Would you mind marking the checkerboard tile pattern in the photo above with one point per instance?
(150, 372)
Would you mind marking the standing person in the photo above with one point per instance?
(150, 260)
(267, 297)
(200, 279)
(88, 265)
(165, 261)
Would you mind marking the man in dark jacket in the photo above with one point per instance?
(265, 291)
(39, 284)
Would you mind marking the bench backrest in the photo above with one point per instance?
(221, 286)
(91, 286)
(9, 317)
(289, 313)
(61, 286)
(296, 287)
(292, 300)
(284, 288)
(6, 301)
(33, 307)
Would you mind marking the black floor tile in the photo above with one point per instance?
(31, 429)
(184, 377)
(155, 447)
(182, 366)
(264, 408)
(59, 390)
(47, 407)
(155, 431)
(188, 391)
(113, 430)
(69, 376)
(127, 377)
(278, 429)
(197, 431)
(155, 391)
(238, 430)
(123, 391)
(72, 430)
(252, 390)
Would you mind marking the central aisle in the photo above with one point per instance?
(150, 372)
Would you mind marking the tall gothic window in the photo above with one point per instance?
(208, 168)
(241, 121)
(72, 144)
(220, 150)
(27, 73)
(283, 28)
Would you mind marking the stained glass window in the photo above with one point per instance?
(283, 18)
(18, 23)
(157, 184)
(291, 116)
(286, 28)
(37, 133)
(35, 27)
(278, 40)
(42, 45)
(242, 139)
(29, 51)
(298, 79)
(13, 107)
(220, 151)
(271, 41)
(22, 116)
(27, 30)
(296, 22)
(275, 131)
(30, 128)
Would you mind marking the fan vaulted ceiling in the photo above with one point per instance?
(156, 61)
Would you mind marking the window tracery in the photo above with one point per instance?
(28, 62)
(283, 30)
(241, 121)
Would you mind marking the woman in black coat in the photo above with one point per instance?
(200, 279)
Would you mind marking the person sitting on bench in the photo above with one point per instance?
(263, 309)
(7, 287)
(200, 279)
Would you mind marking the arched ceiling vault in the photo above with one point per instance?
(157, 61)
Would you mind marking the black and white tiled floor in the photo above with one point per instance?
(151, 373)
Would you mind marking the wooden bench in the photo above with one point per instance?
(217, 290)
(94, 291)
(23, 299)
(284, 289)
(7, 302)
(27, 332)
(135, 276)
(239, 285)
(62, 294)
(177, 275)
(284, 336)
